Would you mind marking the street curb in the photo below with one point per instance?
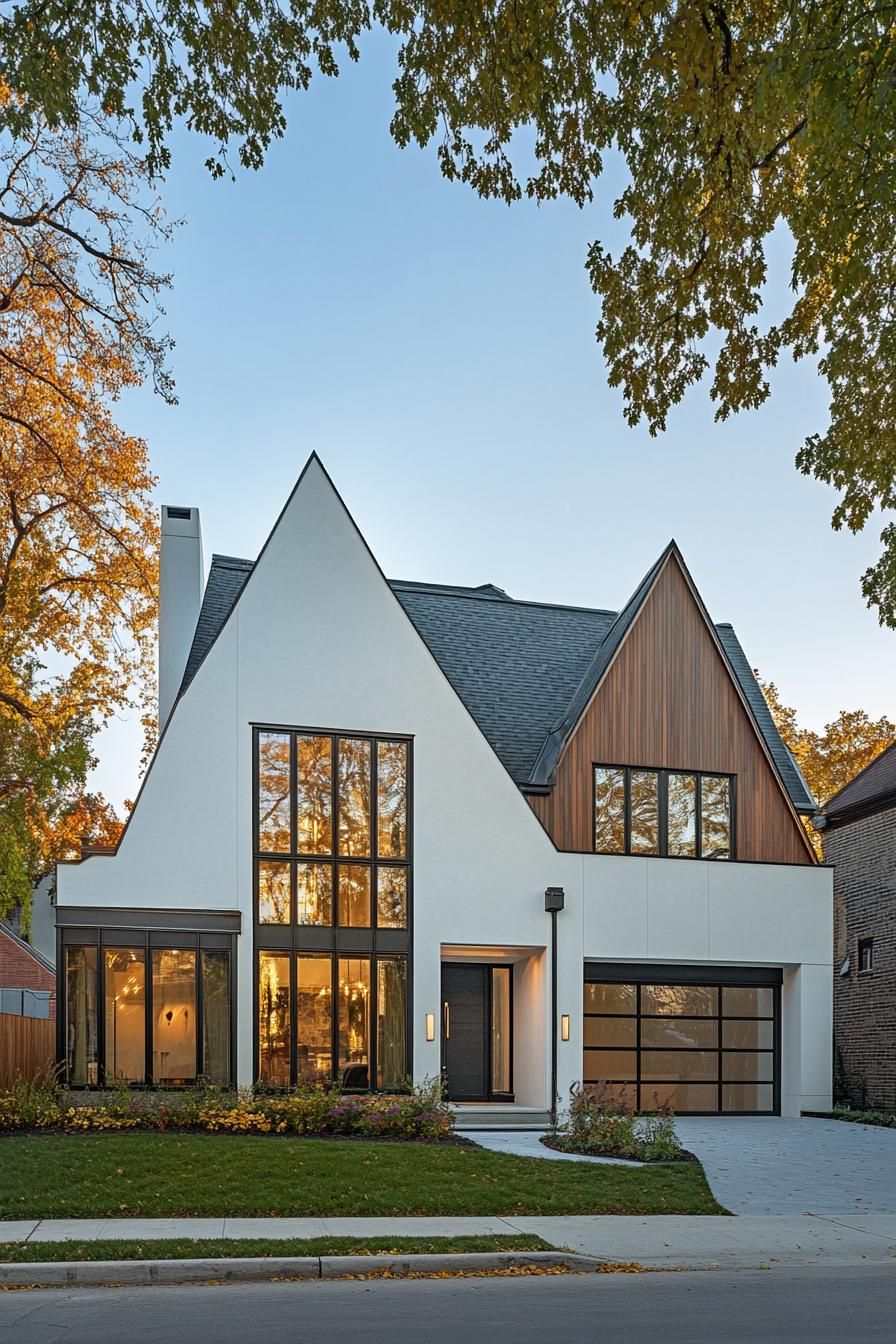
(150, 1273)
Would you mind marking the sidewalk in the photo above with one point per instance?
(658, 1243)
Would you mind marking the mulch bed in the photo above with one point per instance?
(683, 1155)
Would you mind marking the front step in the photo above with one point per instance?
(472, 1116)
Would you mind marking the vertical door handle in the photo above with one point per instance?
(446, 1010)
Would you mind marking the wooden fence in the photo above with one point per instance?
(27, 1047)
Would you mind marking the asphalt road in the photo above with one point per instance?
(799, 1306)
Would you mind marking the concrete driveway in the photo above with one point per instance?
(771, 1165)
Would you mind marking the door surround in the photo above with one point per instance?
(486, 972)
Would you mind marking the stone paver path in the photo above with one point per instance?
(778, 1165)
(771, 1164)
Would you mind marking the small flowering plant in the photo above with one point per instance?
(599, 1123)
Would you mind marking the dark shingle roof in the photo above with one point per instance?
(515, 665)
(876, 783)
(524, 670)
(225, 583)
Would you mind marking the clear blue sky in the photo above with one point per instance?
(438, 353)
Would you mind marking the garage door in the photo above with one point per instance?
(702, 1040)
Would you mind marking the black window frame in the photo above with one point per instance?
(373, 941)
(662, 773)
(146, 941)
(865, 945)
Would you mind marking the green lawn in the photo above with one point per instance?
(210, 1175)
(12, 1252)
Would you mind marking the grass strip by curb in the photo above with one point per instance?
(183, 1248)
(150, 1273)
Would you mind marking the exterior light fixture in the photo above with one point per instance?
(564, 1027)
(430, 1026)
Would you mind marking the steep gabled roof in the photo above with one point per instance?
(226, 577)
(874, 785)
(524, 670)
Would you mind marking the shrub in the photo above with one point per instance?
(417, 1114)
(30, 1105)
(596, 1122)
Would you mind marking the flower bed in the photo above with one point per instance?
(420, 1114)
(597, 1125)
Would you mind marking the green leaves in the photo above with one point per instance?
(732, 118)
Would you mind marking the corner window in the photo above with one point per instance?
(148, 1008)
(674, 813)
(866, 954)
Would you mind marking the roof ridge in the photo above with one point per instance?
(231, 561)
(457, 590)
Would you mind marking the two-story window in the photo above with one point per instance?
(332, 916)
(678, 814)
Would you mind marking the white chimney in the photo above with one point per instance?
(180, 597)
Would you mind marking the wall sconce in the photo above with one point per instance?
(430, 1026)
(564, 1027)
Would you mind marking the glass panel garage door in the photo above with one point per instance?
(697, 1047)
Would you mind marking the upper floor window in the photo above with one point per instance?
(866, 954)
(331, 821)
(675, 813)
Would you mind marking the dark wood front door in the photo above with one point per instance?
(465, 1030)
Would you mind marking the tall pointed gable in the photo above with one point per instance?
(661, 693)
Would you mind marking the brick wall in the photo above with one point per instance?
(20, 970)
(864, 856)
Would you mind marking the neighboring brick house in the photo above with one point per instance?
(22, 967)
(860, 841)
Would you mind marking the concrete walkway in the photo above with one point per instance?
(659, 1242)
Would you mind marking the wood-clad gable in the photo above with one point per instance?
(669, 700)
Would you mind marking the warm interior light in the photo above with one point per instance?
(564, 1027)
(430, 1026)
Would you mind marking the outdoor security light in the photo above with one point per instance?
(553, 899)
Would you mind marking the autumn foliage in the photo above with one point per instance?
(78, 535)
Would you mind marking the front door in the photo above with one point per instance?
(476, 1031)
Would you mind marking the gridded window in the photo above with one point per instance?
(695, 1047)
(332, 828)
(350, 1016)
(148, 1008)
(329, 808)
(675, 813)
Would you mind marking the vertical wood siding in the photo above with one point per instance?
(669, 701)
(27, 1048)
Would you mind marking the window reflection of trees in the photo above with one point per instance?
(609, 805)
(682, 814)
(354, 796)
(392, 800)
(645, 816)
(273, 793)
(314, 794)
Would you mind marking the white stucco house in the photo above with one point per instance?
(393, 829)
